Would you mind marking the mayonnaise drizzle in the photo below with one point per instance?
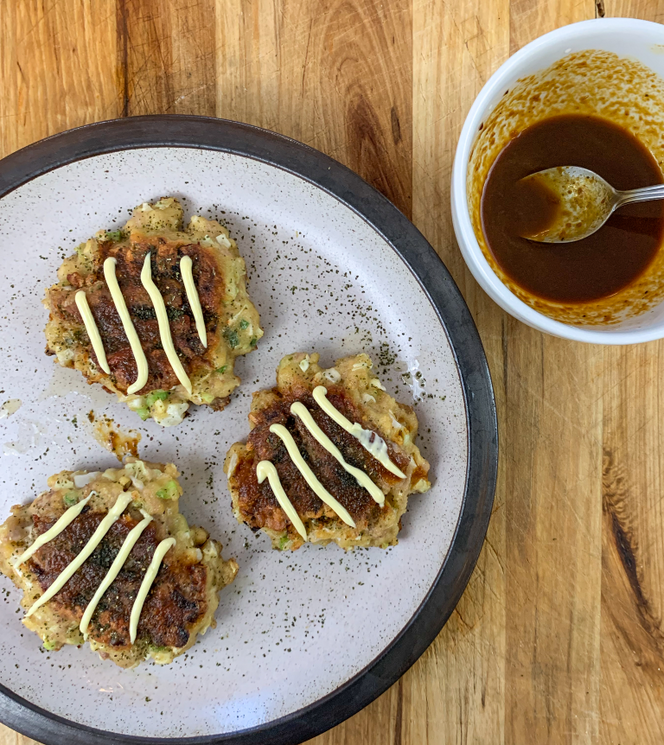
(370, 441)
(127, 325)
(128, 544)
(164, 325)
(93, 332)
(130, 329)
(301, 411)
(67, 517)
(186, 270)
(309, 476)
(146, 584)
(104, 526)
(264, 470)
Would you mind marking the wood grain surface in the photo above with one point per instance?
(558, 637)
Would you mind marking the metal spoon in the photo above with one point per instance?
(584, 202)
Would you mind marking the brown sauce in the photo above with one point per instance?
(597, 266)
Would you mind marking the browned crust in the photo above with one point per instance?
(183, 597)
(176, 602)
(165, 262)
(256, 505)
(219, 273)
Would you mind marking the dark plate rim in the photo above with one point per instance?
(436, 282)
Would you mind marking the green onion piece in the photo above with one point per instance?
(70, 498)
(169, 491)
(231, 337)
(244, 324)
(156, 396)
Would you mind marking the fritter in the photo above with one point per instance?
(183, 597)
(205, 340)
(287, 446)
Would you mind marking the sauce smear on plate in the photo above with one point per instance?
(589, 269)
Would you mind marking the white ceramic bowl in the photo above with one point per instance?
(627, 37)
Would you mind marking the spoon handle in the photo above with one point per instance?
(646, 194)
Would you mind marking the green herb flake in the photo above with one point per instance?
(253, 341)
(283, 541)
(70, 499)
(222, 370)
(244, 324)
(114, 235)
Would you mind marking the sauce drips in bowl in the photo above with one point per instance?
(598, 266)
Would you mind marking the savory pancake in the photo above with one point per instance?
(188, 315)
(182, 598)
(330, 457)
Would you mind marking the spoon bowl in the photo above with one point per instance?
(582, 200)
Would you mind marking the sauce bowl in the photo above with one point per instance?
(637, 40)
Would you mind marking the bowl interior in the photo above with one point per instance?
(620, 99)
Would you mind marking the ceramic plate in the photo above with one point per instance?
(304, 639)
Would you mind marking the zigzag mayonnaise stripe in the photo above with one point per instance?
(266, 470)
(301, 411)
(127, 325)
(370, 441)
(309, 476)
(128, 544)
(130, 329)
(186, 270)
(64, 520)
(164, 325)
(93, 332)
(104, 526)
(150, 576)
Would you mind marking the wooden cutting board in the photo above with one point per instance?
(558, 638)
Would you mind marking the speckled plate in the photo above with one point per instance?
(303, 640)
